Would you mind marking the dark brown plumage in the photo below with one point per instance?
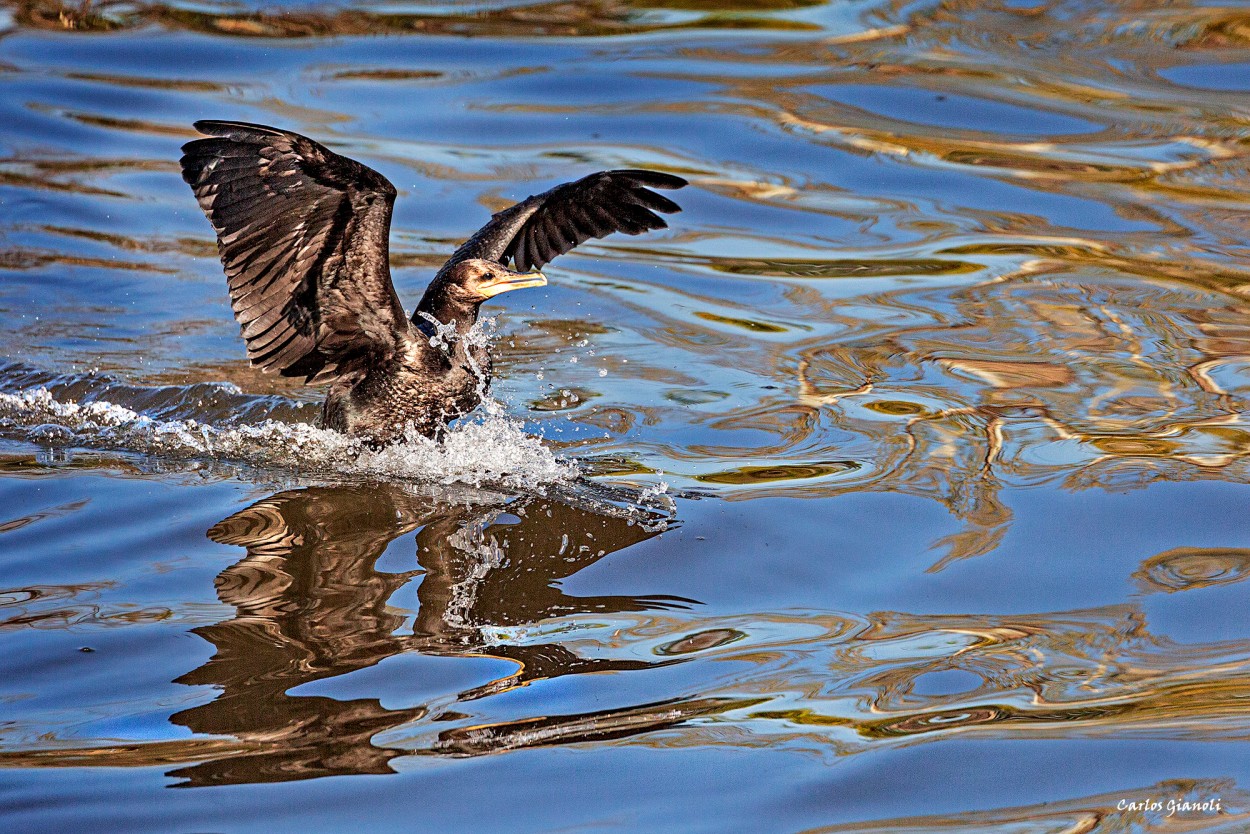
(303, 236)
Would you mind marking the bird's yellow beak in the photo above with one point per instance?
(512, 281)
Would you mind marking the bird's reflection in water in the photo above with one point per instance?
(312, 604)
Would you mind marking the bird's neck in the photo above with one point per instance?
(444, 311)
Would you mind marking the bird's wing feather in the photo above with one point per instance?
(542, 227)
(303, 235)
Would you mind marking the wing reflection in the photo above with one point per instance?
(594, 726)
(312, 604)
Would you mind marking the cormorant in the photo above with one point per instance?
(303, 236)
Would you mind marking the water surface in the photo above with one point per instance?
(899, 486)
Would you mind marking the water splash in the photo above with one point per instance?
(490, 450)
(444, 336)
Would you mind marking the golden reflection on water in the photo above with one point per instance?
(1193, 567)
(1096, 673)
(586, 18)
(1041, 377)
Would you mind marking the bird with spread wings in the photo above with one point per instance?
(303, 235)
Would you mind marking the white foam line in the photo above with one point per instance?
(492, 449)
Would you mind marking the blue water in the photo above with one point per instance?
(898, 486)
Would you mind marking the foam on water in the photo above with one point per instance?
(489, 450)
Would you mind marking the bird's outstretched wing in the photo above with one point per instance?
(303, 235)
(536, 230)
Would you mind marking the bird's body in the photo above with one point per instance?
(303, 235)
(422, 388)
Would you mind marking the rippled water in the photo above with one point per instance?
(899, 486)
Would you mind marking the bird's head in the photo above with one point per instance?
(475, 280)
(458, 290)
